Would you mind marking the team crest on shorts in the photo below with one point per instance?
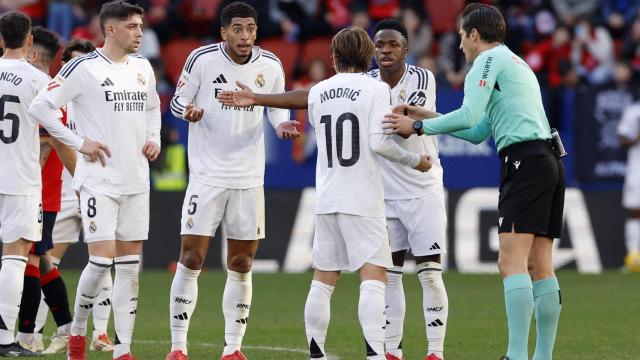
(92, 227)
(402, 96)
(260, 81)
(141, 80)
(189, 223)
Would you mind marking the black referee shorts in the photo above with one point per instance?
(532, 185)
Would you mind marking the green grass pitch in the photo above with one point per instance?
(600, 318)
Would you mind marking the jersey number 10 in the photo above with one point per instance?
(355, 138)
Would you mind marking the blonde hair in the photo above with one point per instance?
(352, 50)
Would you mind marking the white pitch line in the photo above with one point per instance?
(250, 347)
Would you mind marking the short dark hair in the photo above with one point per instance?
(81, 45)
(47, 40)
(486, 19)
(120, 10)
(352, 47)
(237, 9)
(14, 29)
(391, 24)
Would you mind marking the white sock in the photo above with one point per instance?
(632, 235)
(182, 302)
(125, 301)
(12, 280)
(236, 303)
(435, 305)
(55, 261)
(25, 338)
(87, 292)
(41, 317)
(371, 314)
(102, 308)
(394, 298)
(317, 313)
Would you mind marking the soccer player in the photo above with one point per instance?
(66, 231)
(226, 165)
(414, 201)
(350, 234)
(20, 182)
(113, 97)
(629, 132)
(502, 98)
(40, 276)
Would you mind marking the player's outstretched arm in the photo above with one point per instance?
(287, 130)
(296, 99)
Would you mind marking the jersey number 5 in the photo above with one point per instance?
(355, 138)
(15, 121)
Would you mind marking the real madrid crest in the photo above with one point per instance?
(402, 96)
(260, 81)
(189, 223)
(141, 79)
(92, 227)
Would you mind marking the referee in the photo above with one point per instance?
(502, 98)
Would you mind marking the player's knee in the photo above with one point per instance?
(192, 259)
(241, 263)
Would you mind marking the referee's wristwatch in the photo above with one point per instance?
(417, 127)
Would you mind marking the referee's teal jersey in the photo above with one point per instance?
(501, 98)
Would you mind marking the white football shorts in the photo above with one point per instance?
(114, 217)
(68, 223)
(345, 242)
(631, 190)
(20, 218)
(241, 211)
(419, 225)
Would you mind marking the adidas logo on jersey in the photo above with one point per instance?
(220, 80)
(435, 246)
(107, 82)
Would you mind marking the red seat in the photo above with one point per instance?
(285, 51)
(174, 55)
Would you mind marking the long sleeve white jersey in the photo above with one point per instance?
(116, 104)
(19, 139)
(416, 87)
(346, 111)
(226, 147)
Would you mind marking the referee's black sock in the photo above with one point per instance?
(30, 300)
(56, 297)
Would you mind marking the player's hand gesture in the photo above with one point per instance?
(287, 130)
(95, 150)
(192, 113)
(151, 150)
(398, 124)
(414, 112)
(239, 98)
(425, 163)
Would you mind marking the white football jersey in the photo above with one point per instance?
(226, 147)
(629, 127)
(345, 110)
(19, 139)
(416, 87)
(117, 105)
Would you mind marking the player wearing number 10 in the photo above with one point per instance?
(20, 182)
(346, 111)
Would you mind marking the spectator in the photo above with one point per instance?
(545, 57)
(592, 52)
(299, 19)
(618, 14)
(337, 14)
(569, 11)
(419, 31)
(360, 17)
(631, 47)
(451, 59)
(92, 31)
